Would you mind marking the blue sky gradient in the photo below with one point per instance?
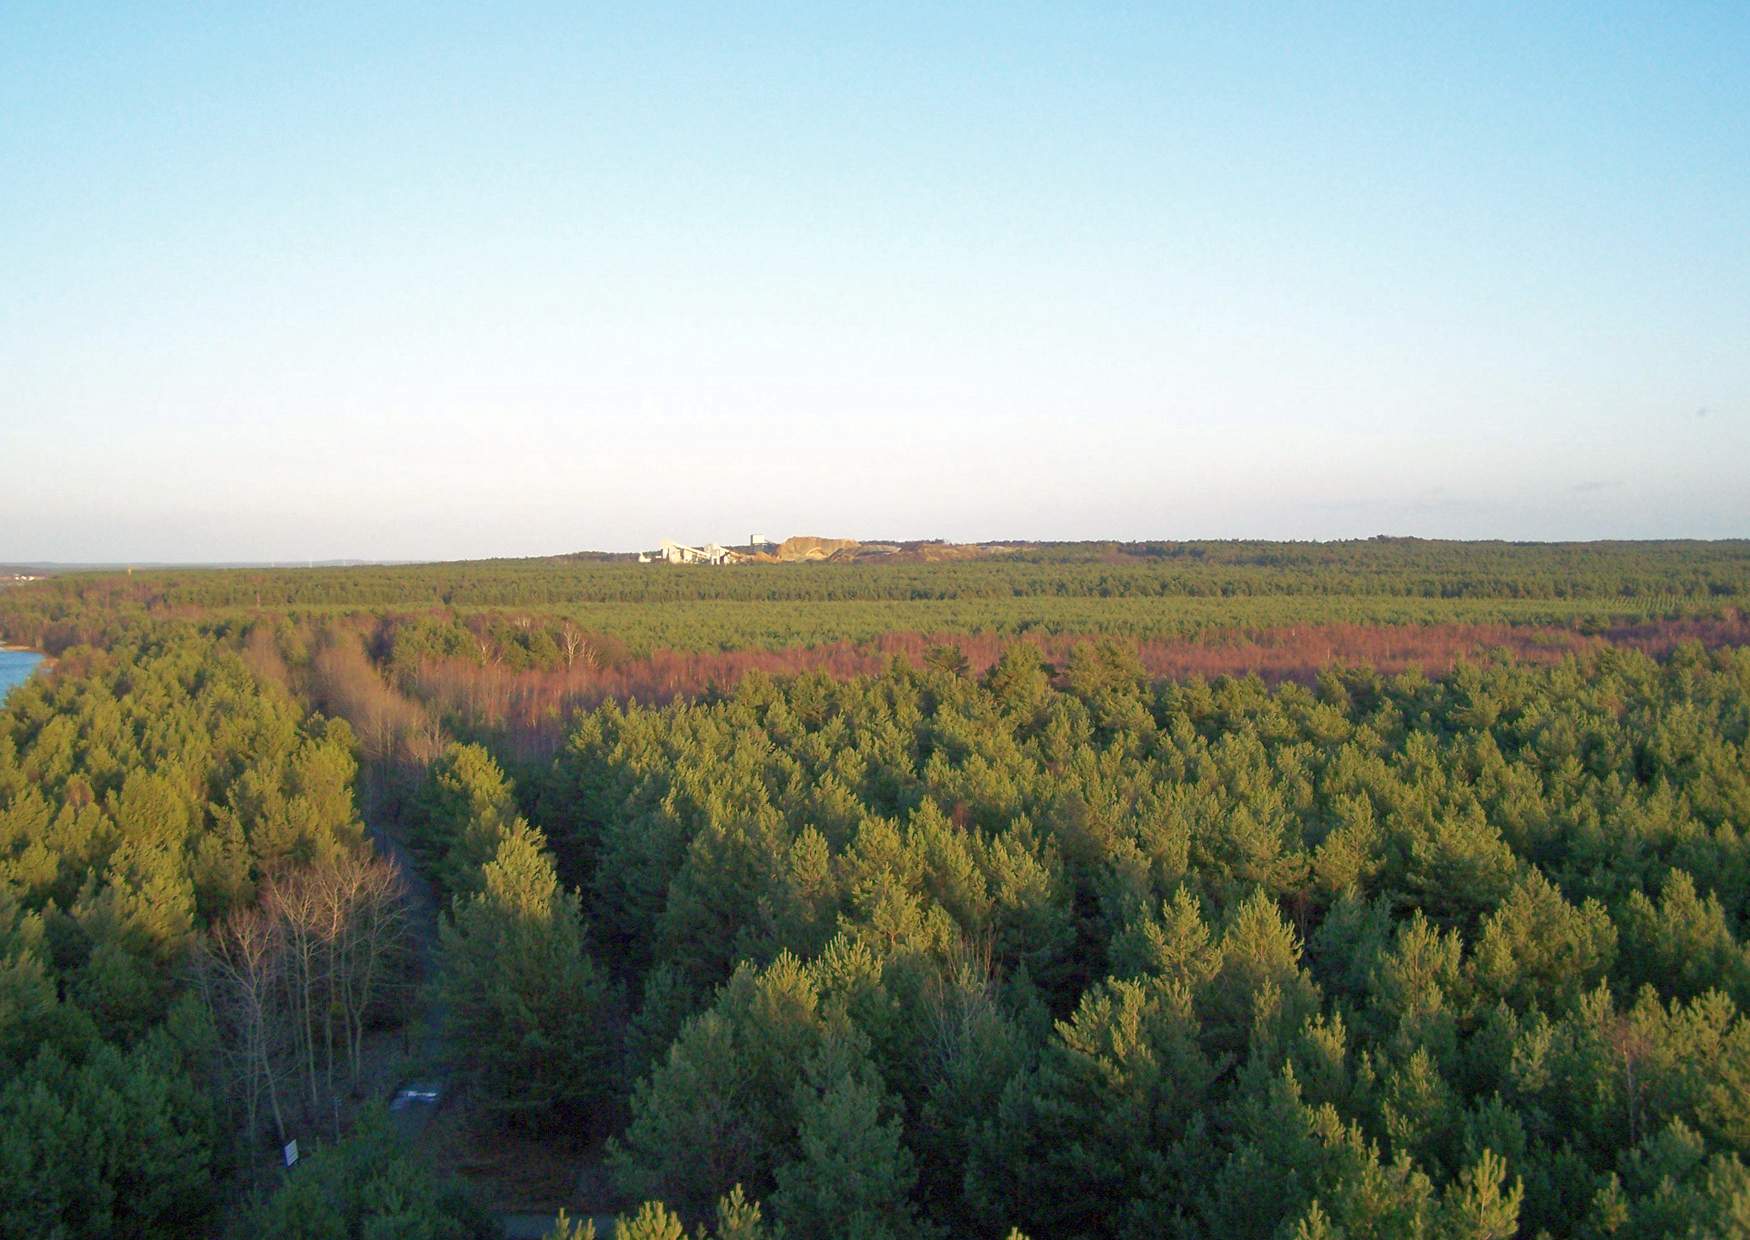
(424, 281)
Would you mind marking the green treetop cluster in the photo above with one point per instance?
(920, 954)
(146, 791)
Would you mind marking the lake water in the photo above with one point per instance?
(15, 667)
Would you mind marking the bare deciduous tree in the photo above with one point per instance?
(576, 646)
(295, 983)
(240, 968)
(366, 907)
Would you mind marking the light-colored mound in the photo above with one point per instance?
(803, 547)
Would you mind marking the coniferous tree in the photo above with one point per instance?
(465, 809)
(530, 1013)
(851, 1176)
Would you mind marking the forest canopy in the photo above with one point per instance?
(1084, 932)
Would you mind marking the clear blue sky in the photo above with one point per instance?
(418, 281)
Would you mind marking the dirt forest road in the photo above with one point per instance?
(419, 1096)
(412, 1114)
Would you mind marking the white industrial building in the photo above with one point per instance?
(681, 553)
(711, 553)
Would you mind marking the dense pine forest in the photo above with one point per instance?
(1304, 890)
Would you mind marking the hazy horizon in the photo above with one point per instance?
(366, 562)
(441, 283)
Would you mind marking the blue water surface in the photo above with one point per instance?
(15, 668)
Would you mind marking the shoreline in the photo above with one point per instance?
(44, 658)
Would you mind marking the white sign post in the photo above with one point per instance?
(291, 1152)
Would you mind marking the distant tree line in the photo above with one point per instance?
(1404, 568)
